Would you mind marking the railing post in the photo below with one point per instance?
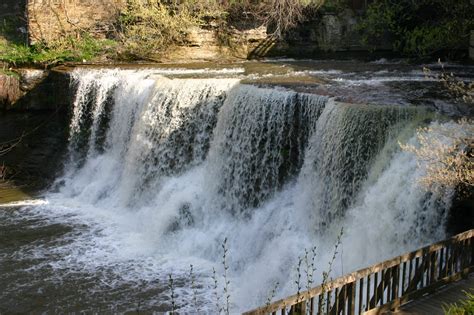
(373, 302)
(404, 270)
(352, 298)
(367, 298)
(395, 281)
(441, 261)
(472, 250)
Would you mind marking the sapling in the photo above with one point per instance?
(216, 292)
(226, 281)
(271, 296)
(193, 287)
(326, 275)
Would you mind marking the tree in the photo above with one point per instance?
(419, 28)
(283, 15)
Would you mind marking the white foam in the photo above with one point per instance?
(189, 162)
(24, 203)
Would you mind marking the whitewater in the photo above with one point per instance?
(161, 170)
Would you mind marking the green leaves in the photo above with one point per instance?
(418, 28)
(85, 48)
(465, 307)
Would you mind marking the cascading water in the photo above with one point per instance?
(162, 170)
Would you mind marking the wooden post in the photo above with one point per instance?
(441, 262)
(352, 298)
(404, 269)
(381, 287)
(367, 298)
(395, 281)
(388, 284)
(373, 302)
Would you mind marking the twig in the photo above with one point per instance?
(193, 287)
(226, 281)
(216, 292)
(171, 287)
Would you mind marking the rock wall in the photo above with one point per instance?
(210, 44)
(471, 46)
(12, 7)
(9, 90)
(13, 20)
(316, 38)
(50, 19)
(32, 89)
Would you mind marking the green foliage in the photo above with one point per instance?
(85, 48)
(419, 28)
(9, 73)
(465, 307)
(334, 6)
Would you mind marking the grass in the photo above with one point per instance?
(9, 73)
(74, 47)
(84, 49)
(464, 307)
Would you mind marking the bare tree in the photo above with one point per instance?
(283, 15)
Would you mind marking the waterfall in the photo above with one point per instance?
(259, 142)
(169, 167)
(342, 151)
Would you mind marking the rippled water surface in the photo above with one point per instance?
(161, 164)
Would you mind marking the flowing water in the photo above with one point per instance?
(161, 169)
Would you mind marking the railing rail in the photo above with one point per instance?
(386, 285)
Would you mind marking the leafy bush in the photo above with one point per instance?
(465, 307)
(67, 49)
(419, 28)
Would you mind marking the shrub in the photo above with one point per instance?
(84, 48)
(419, 28)
(149, 28)
(457, 88)
(446, 152)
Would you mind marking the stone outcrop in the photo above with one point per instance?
(32, 89)
(11, 7)
(212, 44)
(471, 46)
(10, 91)
(50, 19)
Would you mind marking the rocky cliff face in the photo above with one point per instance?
(32, 89)
(325, 34)
(9, 90)
(471, 46)
(48, 20)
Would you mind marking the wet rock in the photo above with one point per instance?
(471, 46)
(9, 90)
(30, 78)
(33, 89)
